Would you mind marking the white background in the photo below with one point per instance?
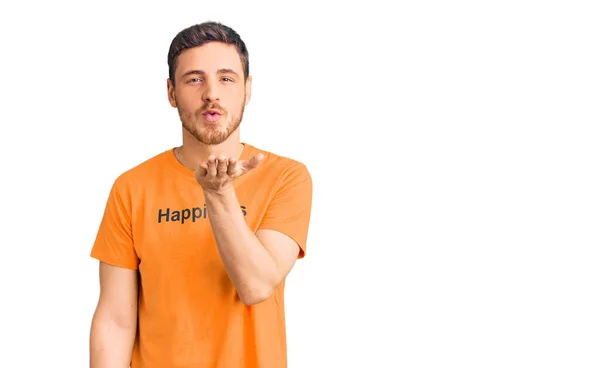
(454, 148)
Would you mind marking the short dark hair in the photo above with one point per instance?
(198, 35)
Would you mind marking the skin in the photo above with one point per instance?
(211, 76)
(114, 325)
(207, 77)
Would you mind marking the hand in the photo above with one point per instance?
(218, 172)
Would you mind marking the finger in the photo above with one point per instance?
(232, 168)
(222, 165)
(253, 162)
(212, 167)
(201, 170)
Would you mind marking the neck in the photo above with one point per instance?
(192, 152)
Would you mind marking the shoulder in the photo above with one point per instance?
(143, 171)
(280, 168)
(278, 163)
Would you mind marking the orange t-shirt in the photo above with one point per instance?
(189, 314)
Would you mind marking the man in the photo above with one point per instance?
(195, 243)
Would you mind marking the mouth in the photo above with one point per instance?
(212, 115)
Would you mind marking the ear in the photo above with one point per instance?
(248, 89)
(171, 93)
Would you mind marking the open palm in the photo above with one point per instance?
(218, 172)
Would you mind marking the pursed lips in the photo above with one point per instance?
(212, 115)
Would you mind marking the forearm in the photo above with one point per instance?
(248, 263)
(111, 344)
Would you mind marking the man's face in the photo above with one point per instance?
(210, 93)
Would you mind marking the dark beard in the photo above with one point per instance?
(212, 135)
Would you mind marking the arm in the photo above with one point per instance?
(256, 264)
(114, 323)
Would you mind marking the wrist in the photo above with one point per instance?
(219, 194)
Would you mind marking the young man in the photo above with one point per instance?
(195, 243)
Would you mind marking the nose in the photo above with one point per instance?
(210, 92)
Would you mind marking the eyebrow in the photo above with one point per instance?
(202, 72)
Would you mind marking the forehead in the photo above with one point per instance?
(210, 57)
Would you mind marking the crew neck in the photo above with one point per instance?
(175, 164)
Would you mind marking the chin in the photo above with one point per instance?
(213, 137)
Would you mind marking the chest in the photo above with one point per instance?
(171, 223)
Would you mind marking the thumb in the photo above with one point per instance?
(253, 162)
(201, 170)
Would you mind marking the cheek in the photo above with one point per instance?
(241, 99)
(188, 103)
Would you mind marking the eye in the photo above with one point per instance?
(227, 79)
(194, 80)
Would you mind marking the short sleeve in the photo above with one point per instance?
(114, 240)
(290, 208)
